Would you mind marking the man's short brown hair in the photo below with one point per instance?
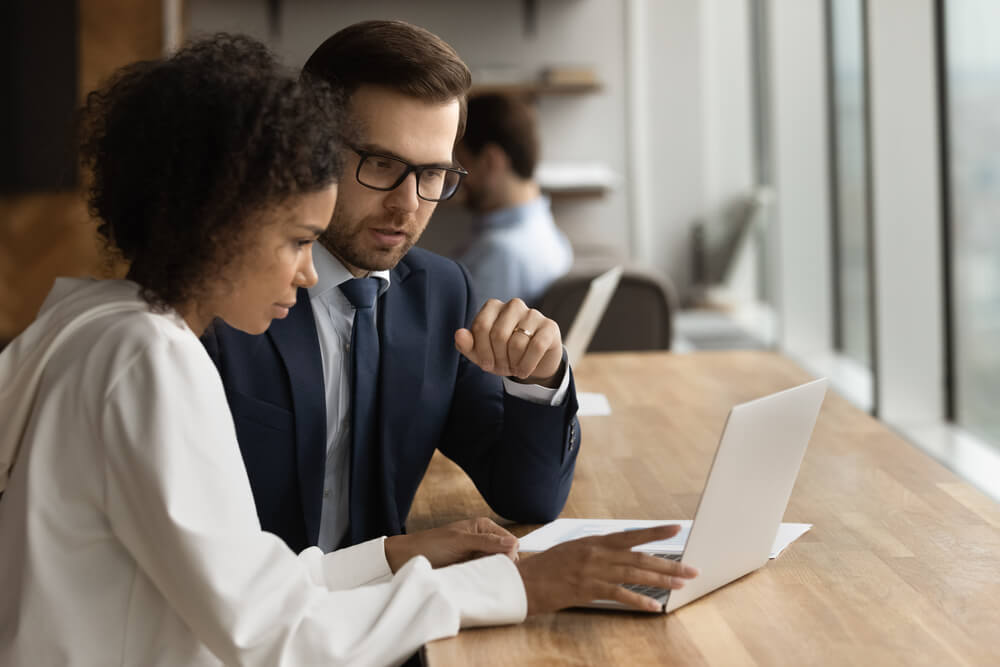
(510, 123)
(397, 55)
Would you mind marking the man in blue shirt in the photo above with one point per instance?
(517, 250)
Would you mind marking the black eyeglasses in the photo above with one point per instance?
(384, 172)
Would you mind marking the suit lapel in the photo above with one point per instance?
(403, 333)
(298, 344)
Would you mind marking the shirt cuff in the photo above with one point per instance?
(536, 393)
(357, 565)
(487, 591)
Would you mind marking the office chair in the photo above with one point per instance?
(640, 316)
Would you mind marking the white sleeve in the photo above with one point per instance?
(353, 566)
(177, 496)
(536, 393)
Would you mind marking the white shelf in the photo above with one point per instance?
(575, 177)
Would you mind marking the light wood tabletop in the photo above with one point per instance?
(901, 567)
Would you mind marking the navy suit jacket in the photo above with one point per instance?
(520, 454)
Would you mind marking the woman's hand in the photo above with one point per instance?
(593, 568)
(452, 543)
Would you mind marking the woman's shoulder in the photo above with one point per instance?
(145, 331)
(124, 318)
(107, 325)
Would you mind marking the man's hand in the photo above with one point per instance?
(593, 568)
(453, 543)
(512, 339)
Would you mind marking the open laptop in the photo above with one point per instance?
(591, 312)
(744, 498)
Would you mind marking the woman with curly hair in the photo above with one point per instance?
(127, 523)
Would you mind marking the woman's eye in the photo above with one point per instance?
(433, 174)
(305, 242)
(384, 164)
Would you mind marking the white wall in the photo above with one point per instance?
(907, 205)
(670, 127)
(802, 236)
(727, 143)
(691, 116)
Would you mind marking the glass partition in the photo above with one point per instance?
(972, 70)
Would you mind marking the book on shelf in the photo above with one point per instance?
(568, 75)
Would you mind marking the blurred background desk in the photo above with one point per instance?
(900, 568)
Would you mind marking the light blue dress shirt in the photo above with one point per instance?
(518, 252)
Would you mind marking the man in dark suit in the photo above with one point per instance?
(340, 406)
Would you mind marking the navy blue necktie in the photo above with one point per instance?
(366, 489)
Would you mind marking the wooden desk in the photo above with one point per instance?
(902, 566)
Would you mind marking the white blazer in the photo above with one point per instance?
(128, 534)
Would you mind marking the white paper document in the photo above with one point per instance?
(592, 404)
(563, 530)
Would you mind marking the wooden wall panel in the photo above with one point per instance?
(116, 32)
(41, 236)
(45, 235)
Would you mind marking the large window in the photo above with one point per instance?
(849, 179)
(972, 65)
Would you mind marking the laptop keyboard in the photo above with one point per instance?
(653, 591)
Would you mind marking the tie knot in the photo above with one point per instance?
(361, 292)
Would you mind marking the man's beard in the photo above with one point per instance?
(346, 245)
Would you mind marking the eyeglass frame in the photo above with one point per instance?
(417, 170)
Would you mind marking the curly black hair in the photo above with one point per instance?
(186, 151)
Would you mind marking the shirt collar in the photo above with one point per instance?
(331, 272)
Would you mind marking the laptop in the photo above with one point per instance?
(748, 487)
(591, 312)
